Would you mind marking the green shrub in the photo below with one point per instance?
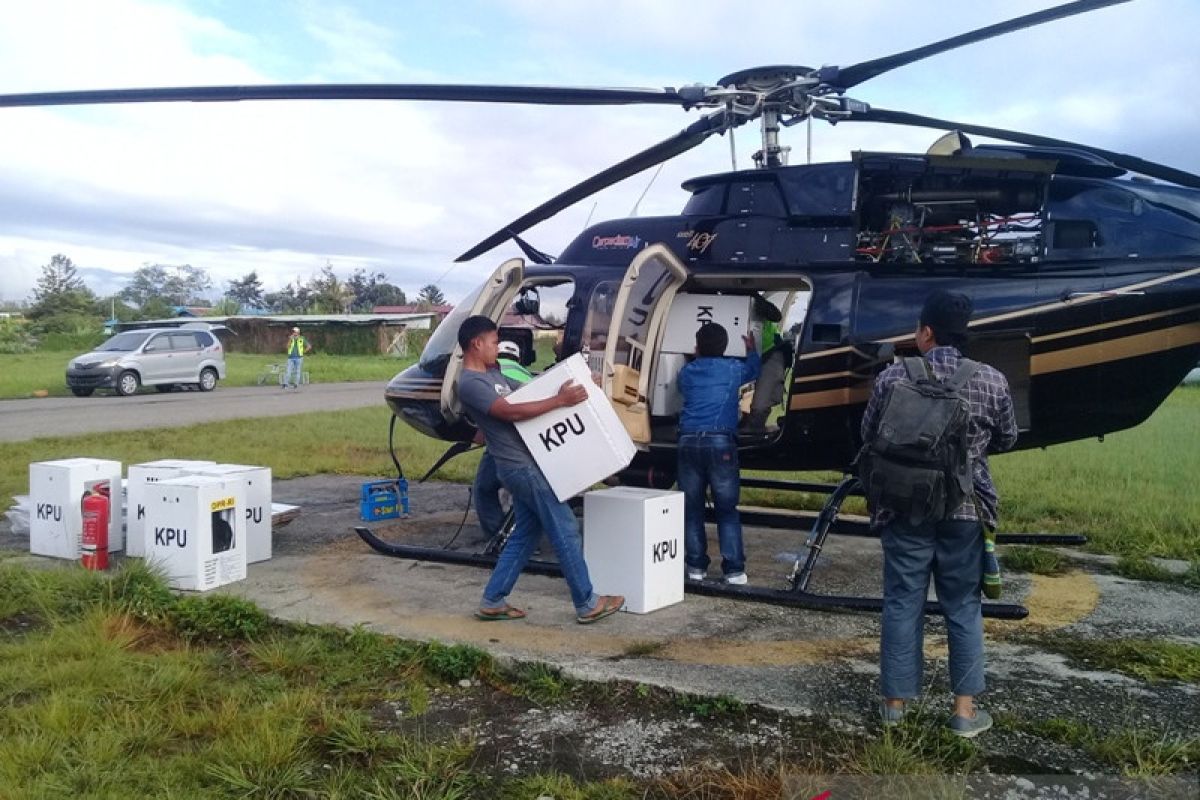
(454, 662)
(218, 617)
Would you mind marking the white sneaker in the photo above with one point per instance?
(737, 579)
(696, 574)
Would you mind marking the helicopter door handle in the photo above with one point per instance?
(1067, 296)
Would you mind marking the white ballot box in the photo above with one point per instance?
(633, 545)
(196, 530)
(256, 482)
(577, 446)
(666, 399)
(56, 490)
(142, 476)
(690, 311)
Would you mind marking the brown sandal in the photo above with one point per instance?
(607, 604)
(502, 613)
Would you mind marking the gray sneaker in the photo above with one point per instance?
(736, 579)
(969, 727)
(696, 574)
(890, 717)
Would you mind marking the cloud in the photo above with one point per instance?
(404, 187)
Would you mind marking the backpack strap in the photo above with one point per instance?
(966, 370)
(917, 369)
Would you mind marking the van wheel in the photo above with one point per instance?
(80, 391)
(127, 383)
(208, 379)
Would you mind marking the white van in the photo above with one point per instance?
(160, 357)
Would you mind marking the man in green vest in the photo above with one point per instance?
(486, 490)
(297, 348)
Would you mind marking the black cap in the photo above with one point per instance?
(948, 314)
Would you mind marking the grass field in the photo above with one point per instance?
(1133, 493)
(22, 375)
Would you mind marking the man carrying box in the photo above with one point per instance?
(482, 389)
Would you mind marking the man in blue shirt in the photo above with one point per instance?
(708, 455)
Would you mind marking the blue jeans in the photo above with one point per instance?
(710, 461)
(537, 510)
(952, 551)
(486, 493)
(294, 371)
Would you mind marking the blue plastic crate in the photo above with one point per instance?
(384, 500)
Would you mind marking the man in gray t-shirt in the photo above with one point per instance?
(483, 391)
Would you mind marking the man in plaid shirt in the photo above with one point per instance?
(951, 550)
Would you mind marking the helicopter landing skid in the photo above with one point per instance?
(795, 597)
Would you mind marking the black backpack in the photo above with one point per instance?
(917, 464)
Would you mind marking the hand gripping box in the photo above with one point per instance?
(577, 446)
(196, 530)
(256, 482)
(690, 311)
(633, 545)
(141, 476)
(56, 490)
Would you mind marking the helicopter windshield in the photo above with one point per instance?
(436, 354)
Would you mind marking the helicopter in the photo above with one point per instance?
(1083, 264)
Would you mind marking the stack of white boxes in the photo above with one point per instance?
(56, 490)
(196, 530)
(578, 446)
(256, 485)
(141, 478)
(633, 545)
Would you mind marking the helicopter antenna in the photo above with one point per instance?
(653, 178)
(588, 221)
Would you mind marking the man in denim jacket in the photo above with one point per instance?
(708, 455)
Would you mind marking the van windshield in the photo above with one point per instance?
(123, 342)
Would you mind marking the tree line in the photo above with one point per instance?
(62, 302)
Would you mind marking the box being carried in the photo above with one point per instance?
(690, 311)
(633, 545)
(577, 446)
(196, 530)
(56, 490)
(141, 476)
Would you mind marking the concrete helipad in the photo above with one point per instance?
(813, 663)
(810, 662)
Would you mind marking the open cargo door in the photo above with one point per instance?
(634, 335)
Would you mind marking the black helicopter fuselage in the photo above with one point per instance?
(1086, 288)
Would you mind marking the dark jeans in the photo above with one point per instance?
(952, 552)
(537, 509)
(710, 461)
(486, 493)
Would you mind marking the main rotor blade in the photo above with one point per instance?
(681, 142)
(856, 74)
(1123, 160)
(462, 93)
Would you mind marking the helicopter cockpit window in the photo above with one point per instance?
(598, 321)
(541, 307)
(436, 354)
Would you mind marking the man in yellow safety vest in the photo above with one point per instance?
(297, 348)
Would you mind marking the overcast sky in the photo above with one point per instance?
(283, 188)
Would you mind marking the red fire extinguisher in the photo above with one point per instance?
(95, 527)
